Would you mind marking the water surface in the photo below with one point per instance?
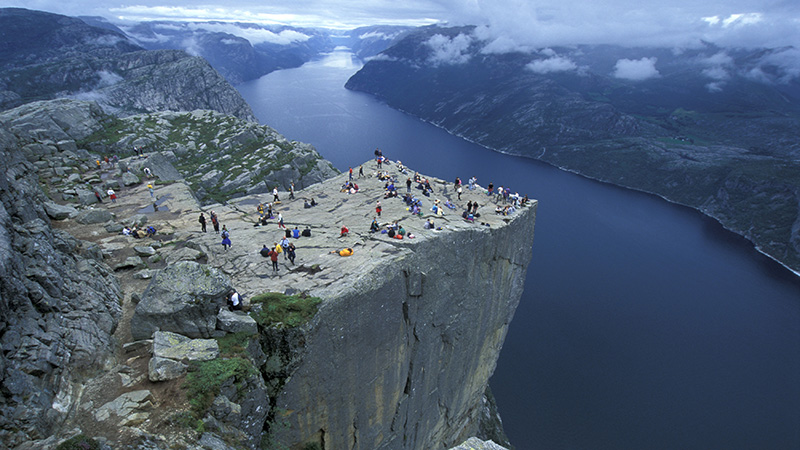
(643, 324)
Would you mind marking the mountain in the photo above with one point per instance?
(239, 51)
(366, 42)
(47, 56)
(711, 128)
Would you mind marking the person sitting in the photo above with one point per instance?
(344, 231)
(374, 226)
(313, 203)
(126, 231)
(306, 204)
(401, 231)
(235, 301)
(264, 251)
(306, 232)
(295, 233)
(151, 231)
(390, 233)
(428, 225)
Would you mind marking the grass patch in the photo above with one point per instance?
(205, 378)
(233, 344)
(79, 442)
(288, 311)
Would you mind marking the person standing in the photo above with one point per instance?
(351, 174)
(273, 256)
(378, 208)
(291, 191)
(215, 222)
(152, 191)
(408, 184)
(202, 221)
(361, 171)
(459, 191)
(98, 197)
(275, 198)
(112, 195)
(290, 252)
(284, 243)
(226, 238)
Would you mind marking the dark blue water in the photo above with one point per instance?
(643, 325)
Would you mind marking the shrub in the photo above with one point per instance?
(205, 378)
(79, 442)
(289, 310)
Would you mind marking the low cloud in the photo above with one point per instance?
(552, 64)
(255, 35)
(445, 50)
(636, 69)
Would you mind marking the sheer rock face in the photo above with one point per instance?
(401, 350)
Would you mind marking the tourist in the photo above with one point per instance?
(306, 232)
(215, 222)
(295, 233)
(280, 221)
(344, 231)
(226, 237)
(373, 227)
(290, 252)
(112, 195)
(152, 191)
(284, 243)
(378, 208)
(264, 251)
(291, 191)
(202, 221)
(275, 198)
(273, 256)
(235, 301)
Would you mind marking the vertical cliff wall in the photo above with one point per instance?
(401, 354)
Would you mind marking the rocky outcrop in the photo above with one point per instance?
(220, 157)
(49, 56)
(59, 305)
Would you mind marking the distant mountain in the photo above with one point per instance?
(45, 56)
(711, 128)
(366, 42)
(239, 51)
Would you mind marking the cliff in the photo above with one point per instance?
(395, 353)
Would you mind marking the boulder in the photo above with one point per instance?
(114, 227)
(126, 405)
(181, 348)
(137, 220)
(184, 254)
(144, 250)
(94, 215)
(129, 179)
(183, 298)
(132, 262)
(236, 322)
(171, 351)
(164, 369)
(59, 212)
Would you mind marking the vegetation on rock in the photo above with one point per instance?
(284, 310)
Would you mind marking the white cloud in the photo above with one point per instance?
(253, 34)
(552, 64)
(636, 69)
(449, 51)
(380, 57)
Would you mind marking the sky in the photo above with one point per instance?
(533, 23)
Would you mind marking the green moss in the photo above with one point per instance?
(233, 344)
(205, 378)
(79, 442)
(284, 310)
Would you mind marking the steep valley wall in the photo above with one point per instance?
(401, 359)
